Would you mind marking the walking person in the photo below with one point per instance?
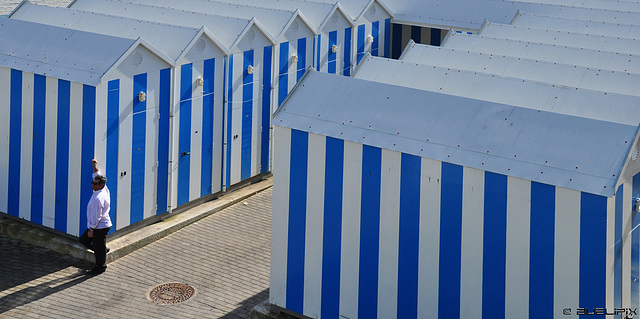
(98, 220)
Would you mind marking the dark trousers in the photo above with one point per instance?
(98, 243)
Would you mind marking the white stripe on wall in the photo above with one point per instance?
(256, 119)
(5, 90)
(236, 117)
(429, 259)
(314, 225)
(611, 240)
(49, 178)
(125, 134)
(151, 144)
(567, 252)
(350, 246)
(75, 208)
(517, 254)
(627, 223)
(26, 147)
(218, 126)
(280, 215)
(389, 234)
(195, 159)
(472, 232)
(100, 147)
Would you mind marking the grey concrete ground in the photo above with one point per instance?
(224, 256)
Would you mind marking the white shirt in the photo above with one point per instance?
(98, 208)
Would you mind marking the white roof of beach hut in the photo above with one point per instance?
(324, 17)
(608, 60)
(551, 35)
(615, 28)
(553, 73)
(500, 138)
(72, 55)
(282, 24)
(234, 33)
(568, 100)
(182, 38)
(470, 14)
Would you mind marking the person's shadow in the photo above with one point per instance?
(31, 294)
(26, 265)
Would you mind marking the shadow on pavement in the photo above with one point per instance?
(30, 294)
(244, 310)
(22, 262)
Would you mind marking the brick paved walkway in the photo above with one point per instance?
(225, 257)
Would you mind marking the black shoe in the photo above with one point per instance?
(96, 270)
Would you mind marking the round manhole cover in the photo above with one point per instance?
(171, 293)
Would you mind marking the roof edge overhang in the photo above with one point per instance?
(372, 2)
(253, 22)
(143, 43)
(203, 31)
(337, 7)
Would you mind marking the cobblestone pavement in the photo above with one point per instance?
(225, 257)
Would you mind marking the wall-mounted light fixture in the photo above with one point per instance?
(200, 82)
(369, 39)
(250, 69)
(334, 48)
(294, 59)
(142, 96)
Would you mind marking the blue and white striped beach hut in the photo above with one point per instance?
(189, 48)
(392, 202)
(71, 96)
(293, 34)
(334, 40)
(247, 87)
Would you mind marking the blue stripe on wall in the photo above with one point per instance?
(88, 147)
(495, 245)
(37, 168)
(113, 125)
(297, 220)
(361, 38)
(138, 149)
(62, 155)
(283, 75)
(229, 121)
(617, 259)
(247, 117)
(387, 38)
(302, 58)
(375, 33)
(409, 235)
(347, 52)
(332, 232)
(15, 142)
(450, 241)
(163, 140)
(266, 110)
(593, 251)
(333, 40)
(184, 140)
(369, 232)
(396, 44)
(318, 48)
(206, 166)
(541, 254)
